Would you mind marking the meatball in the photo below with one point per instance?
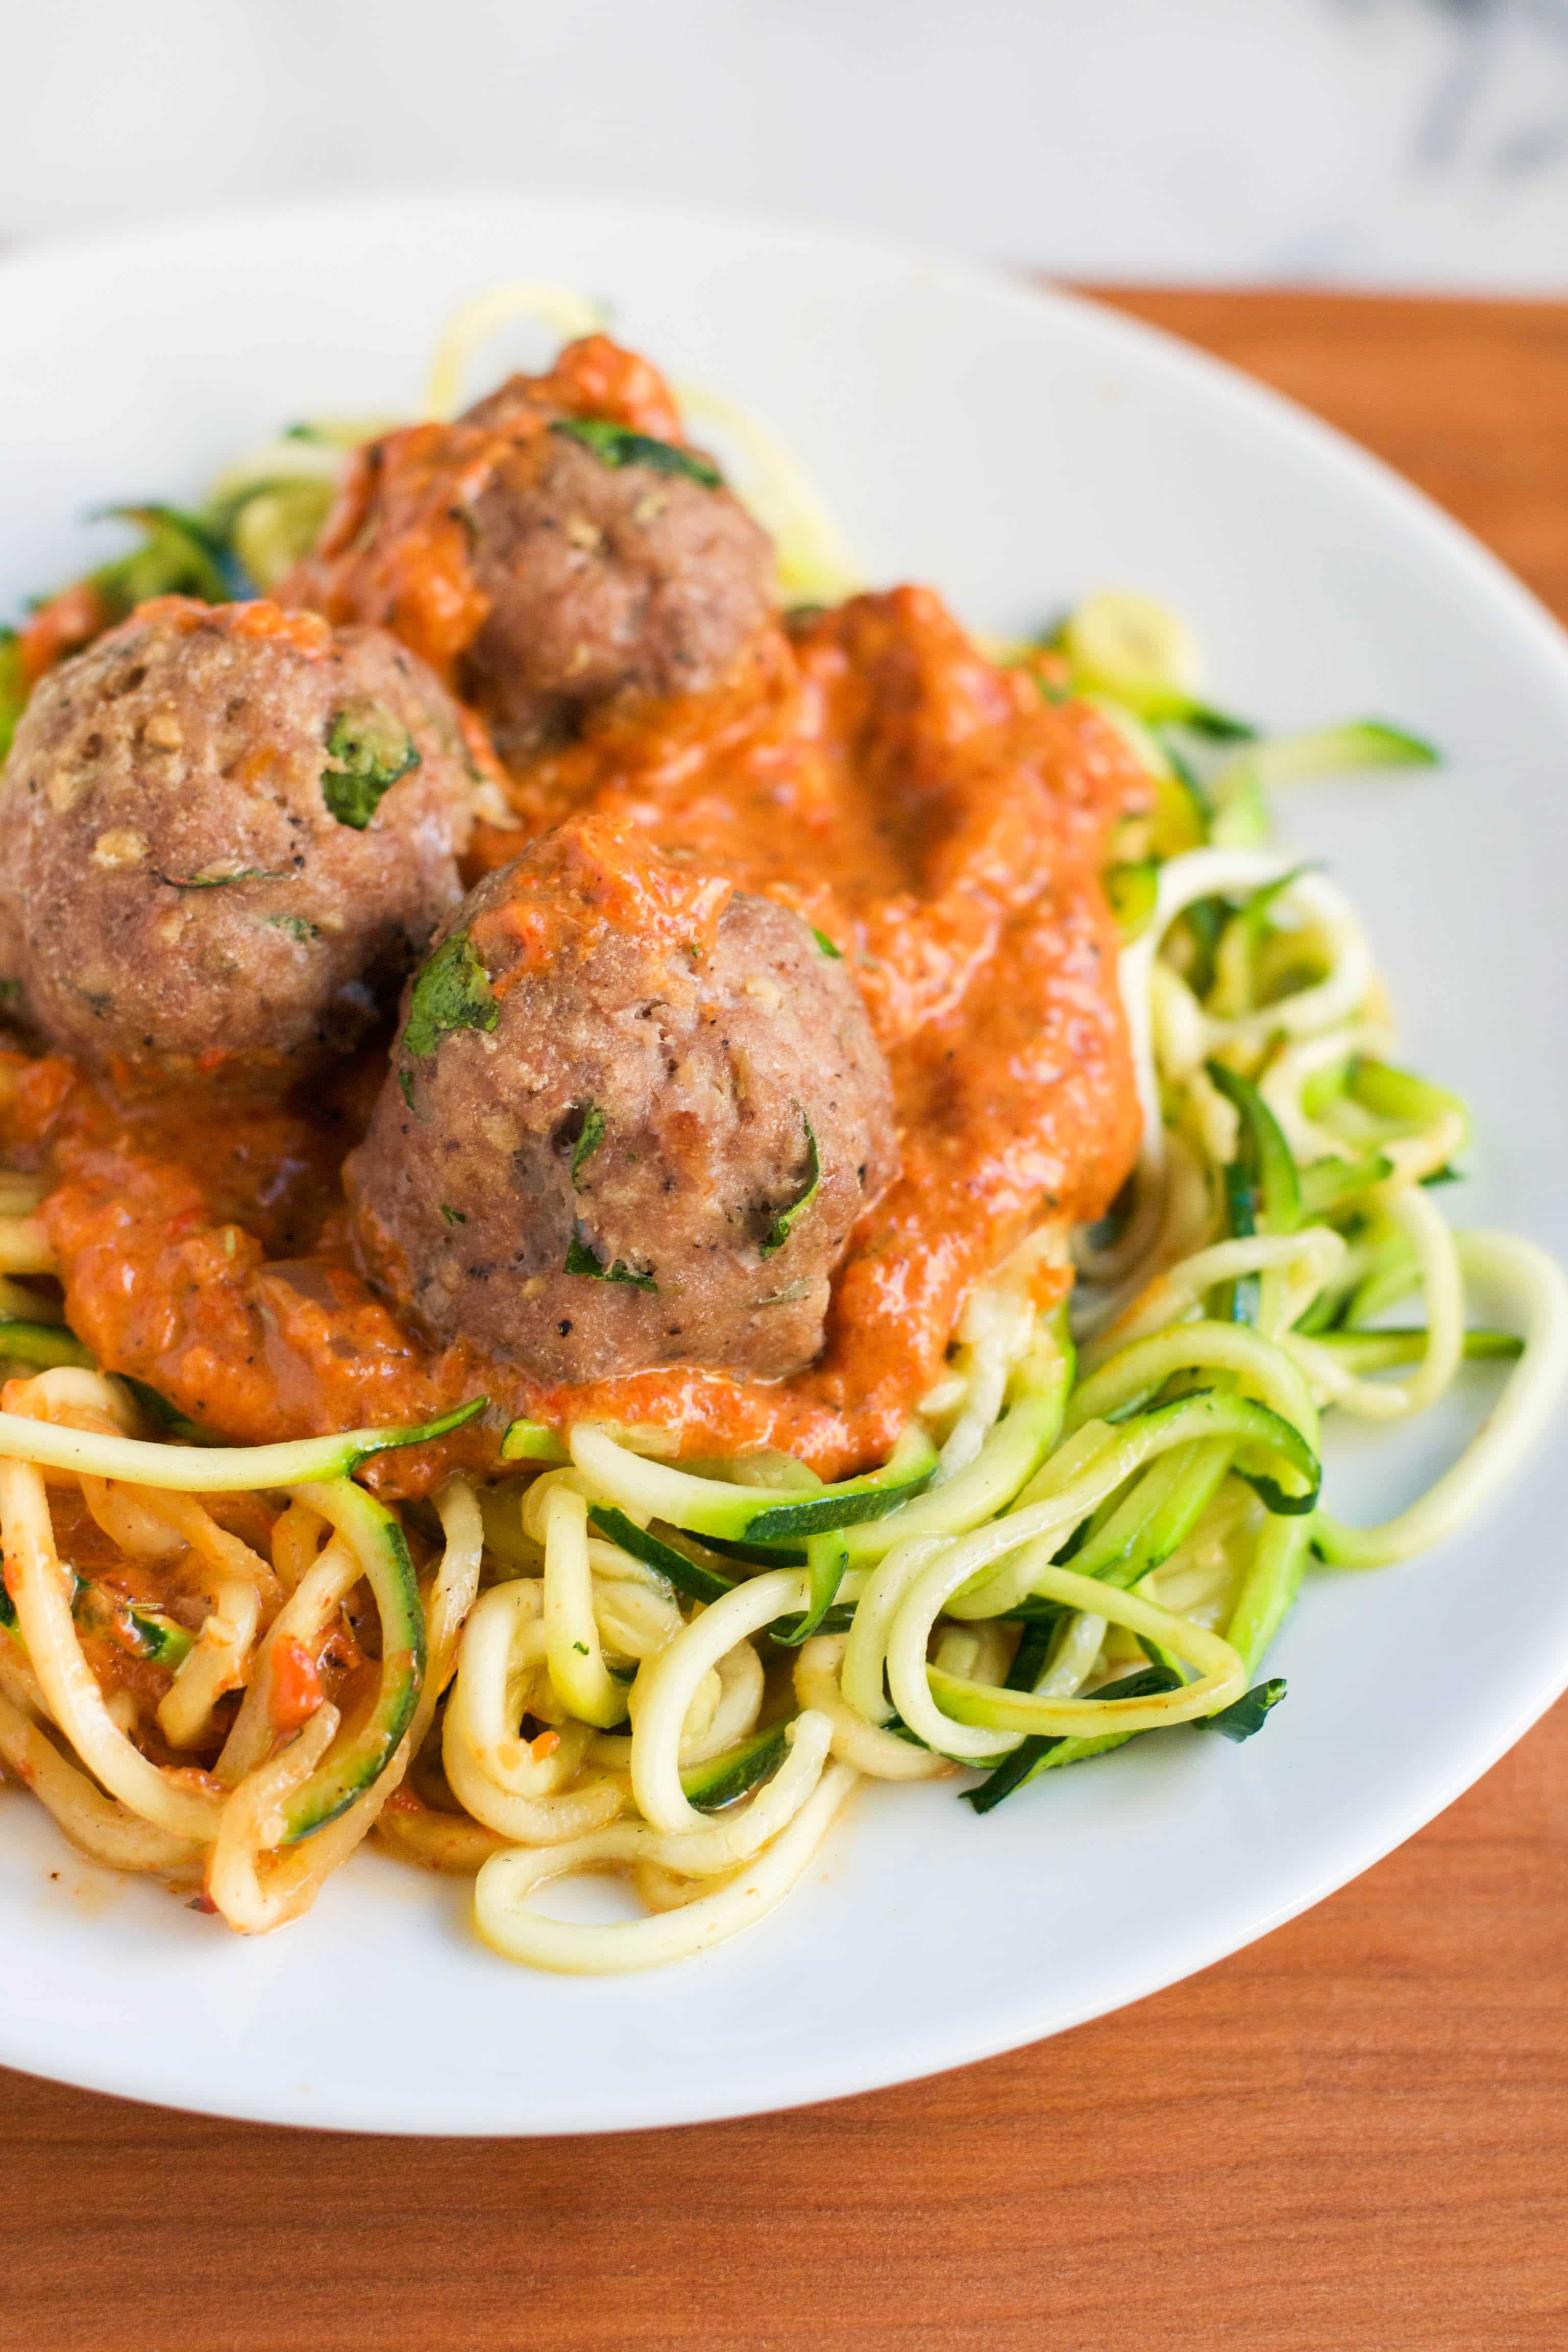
(603, 579)
(226, 832)
(557, 547)
(631, 1118)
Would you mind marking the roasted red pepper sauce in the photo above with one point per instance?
(935, 816)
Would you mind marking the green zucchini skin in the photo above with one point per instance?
(1376, 1351)
(1133, 891)
(1326, 1184)
(344, 1775)
(1260, 1436)
(705, 1585)
(828, 1560)
(1033, 1753)
(755, 1555)
(1012, 1451)
(531, 1441)
(735, 1772)
(44, 1344)
(166, 1643)
(696, 1582)
(219, 1469)
(386, 1440)
(1247, 1714)
(907, 1473)
(1264, 1155)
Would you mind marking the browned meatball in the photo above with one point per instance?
(557, 546)
(631, 1118)
(604, 578)
(226, 832)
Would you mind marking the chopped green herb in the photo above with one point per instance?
(10, 989)
(786, 1298)
(588, 1141)
(452, 992)
(218, 881)
(370, 749)
(581, 1258)
(783, 1225)
(617, 444)
(295, 925)
(825, 944)
(453, 1216)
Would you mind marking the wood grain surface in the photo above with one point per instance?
(1353, 2137)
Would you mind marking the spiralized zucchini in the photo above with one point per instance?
(1116, 1528)
(1093, 1529)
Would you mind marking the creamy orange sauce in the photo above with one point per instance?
(395, 549)
(934, 817)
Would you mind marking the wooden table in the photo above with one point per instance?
(1354, 2136)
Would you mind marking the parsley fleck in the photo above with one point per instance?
(783, 1225)
(452, 992)
(295, 925)
(588, 1141)
(617, 444)
(825, 944)
(217, 881)
(453, 1216)
(582, 1258)
(370, 749)
(783, 1297)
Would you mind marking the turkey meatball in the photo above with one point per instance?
(631, 1118)
(602, 579)
(557, 547)
(226, 832)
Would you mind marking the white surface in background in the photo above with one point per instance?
(1419, 141)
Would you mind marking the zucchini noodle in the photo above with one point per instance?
(549, 1703)
(1150, 1495)
(229, 1665)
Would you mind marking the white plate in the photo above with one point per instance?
(1017, 449)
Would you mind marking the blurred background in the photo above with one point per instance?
(1375, 142)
